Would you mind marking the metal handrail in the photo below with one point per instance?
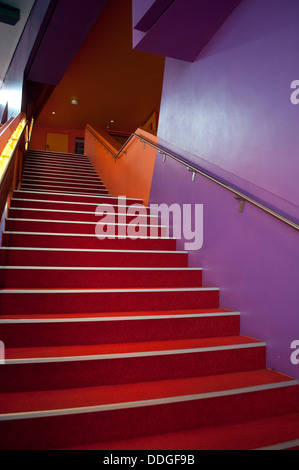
(237, 193)
(100, 140)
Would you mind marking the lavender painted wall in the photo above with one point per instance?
(12, 88)
(53, 34)
(146, 12)
(68, 27)
(252, 257)
(232, 105)
(232, 108)
(177, 28)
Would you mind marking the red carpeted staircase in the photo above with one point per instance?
(116, 343)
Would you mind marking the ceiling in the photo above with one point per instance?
(10, 35)
(109, 79)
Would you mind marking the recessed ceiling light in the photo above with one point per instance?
(53, 112)
(74, 102)
(112, 120)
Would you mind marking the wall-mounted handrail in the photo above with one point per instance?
(191, 167)
(114, 155)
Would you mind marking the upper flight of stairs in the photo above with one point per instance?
(117, 343)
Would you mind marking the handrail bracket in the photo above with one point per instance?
(242, 202)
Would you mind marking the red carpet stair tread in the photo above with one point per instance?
(118, 343)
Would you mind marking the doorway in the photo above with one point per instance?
(57, 142)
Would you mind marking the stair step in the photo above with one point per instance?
(116, 327)
(36, 169)
(64, 189)
(89, 242)
(58, 166)
(44, 163)
(141, 409)
(275, 433)
(113, 364)
(74, 198)
(76, 215)
(70, 226)
(43, 175)
(59, 156)
(57, 160)
(55, 257)
(69, 182)
(38, 153)
(96, 277)
(69, 206)
(16, 301)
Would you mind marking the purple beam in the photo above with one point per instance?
(184, 29)
(68, 27)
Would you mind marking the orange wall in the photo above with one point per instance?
(39, 137)
(129, 176)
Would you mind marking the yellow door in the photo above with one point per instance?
(57, 142)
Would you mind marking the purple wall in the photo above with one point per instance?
(177, 28)
(67, 28)
(12, 88)
(146, 12)
(52, 36)
(232, 105)
(232, 108)
(251, 256)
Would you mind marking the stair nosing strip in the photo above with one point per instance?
(281, 445)
(79, 222)
(109, 291)
(103, 268)
(64, 211)
(58, 156)
(116, 318)
(59, 166)
(110, 237)
(57, 182)
(53, 162)
(46, 173)
(43, 160)
(144, 403)
(56, 169)
(64, 193)
(84, 250)
(37, 152)
(74, 194)
(54, 186)
(35, 177)
(55, 179)
(136, 354)
(61, 156)
(43, 170)
(71, 202)
(59, 171)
